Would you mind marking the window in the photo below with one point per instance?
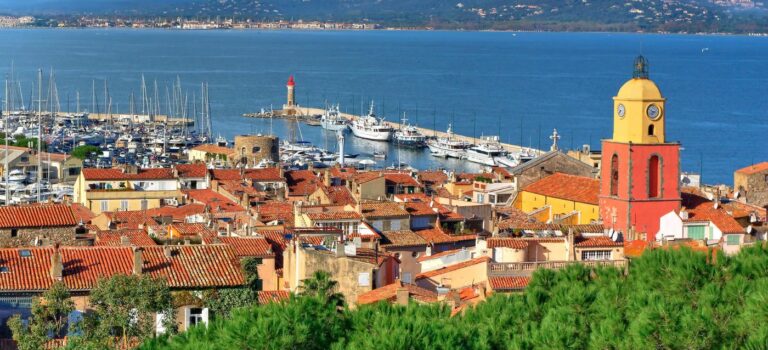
(3, 269)
(406, 277)
(480, 198)
(697, 232)
(73, 171)
(255, 149)
(415, 254)
(144, 204)
(25, 253)
(615, 175)
(195, 316)
(591, 255)
(14, 232)
(654, 175)
(364, 279)
(651, 130)
(733, 240)
(104, 206)
(124, 205)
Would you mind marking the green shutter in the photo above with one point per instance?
(733, 240)
(697, 232)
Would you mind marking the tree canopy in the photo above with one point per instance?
(671, 299)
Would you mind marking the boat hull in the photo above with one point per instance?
(372, 135)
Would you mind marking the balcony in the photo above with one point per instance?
(527, 268)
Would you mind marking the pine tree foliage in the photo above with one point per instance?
(671, 299)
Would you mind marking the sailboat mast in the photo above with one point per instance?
(5, 155)
(39, 130)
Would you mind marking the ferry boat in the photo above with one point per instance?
(371, 128)
(448, 147)
(332, 120)
(409, 136)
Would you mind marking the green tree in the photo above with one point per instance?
(124, 307)
(82, 152)
(49, 318)
(321, 285)
(222, 301)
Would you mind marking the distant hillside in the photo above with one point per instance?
(654, 15)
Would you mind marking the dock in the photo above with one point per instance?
(141, 118)
(307, 114)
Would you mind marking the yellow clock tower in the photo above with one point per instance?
(638, 109)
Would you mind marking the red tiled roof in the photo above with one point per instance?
(226, 174)
(570, 187)
(454, 267)
(367, 176)
(509, 282)
(275, 210)
(412, 197)
(179, 213)
(82, 214)
(400, 179)
(343, 173)
(272, 296)
(193, 266)
(753, 169)
(35, 215)
(265, 174)
(216, 201)
(114, 238)
(471, 177)
(214, 149)
(131, 219)
(436, 235)
(301, 182)
(420, 209)
(599, 241)
(339, 195)
(507, 242)
(197, 170)
(389, 293)
(193, 229)
(701, 209)
(634, 249)
(94, 174)
(435, 177)
(404, 238)
(383, 209)
(249, 246)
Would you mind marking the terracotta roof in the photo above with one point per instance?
(412, 197)
(265, 174)
(471, 177)
(216, 201)
(701, 209)
(509, 282)
(179, 213)
(389, 293)
(114, 238)
(339, 195)
(193, 229)
(383, 210)
(334, 215)
(420, 209)
(570, 187)
(634, 249)
(214, 149)
(400, 179)
(599, 241)
(226, 174)
(275, 210)
(82, 214)
(301, 182)
(131, 219)
(367, 176)
(249, 246)
(272, 296)
(753, 169)
(197, 170)
(404, 238)
(502, 171)
(193, 266)
(37, 215)
(94, 174)
(435, 177)
(436, 235)
(343, 173)
(454, 267)
(507, 242)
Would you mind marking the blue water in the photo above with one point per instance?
(481, 80)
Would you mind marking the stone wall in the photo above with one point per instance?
(25, 237)
(549, 164)
(346, 271)
(754, 187)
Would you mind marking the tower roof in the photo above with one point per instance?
(640, 87)
(290, 81)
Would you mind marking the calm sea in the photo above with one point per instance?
(521, 85)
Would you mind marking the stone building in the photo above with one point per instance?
(548, 164)
(250, 150)
(752, 183)
(35, 225)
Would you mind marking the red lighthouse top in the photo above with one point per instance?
(290, 81)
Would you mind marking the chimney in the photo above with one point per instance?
(340, 248)
(187, 242)
(57, 266)
(124, 240)
(327, 178)
(167, 251)
(138, 260)
(402, 296)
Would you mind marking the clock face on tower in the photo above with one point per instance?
(653, 112)
(621, 110)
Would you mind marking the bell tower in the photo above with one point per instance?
(640, 169)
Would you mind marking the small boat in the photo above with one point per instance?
(409, 136)
(371, 127)
(332, 120)
(379, 155)
(448, 147)
(489, 153)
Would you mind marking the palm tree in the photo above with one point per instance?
(320, 285)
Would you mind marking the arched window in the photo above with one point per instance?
(654, 176)
(615, 175)
(651, 130)
(255, 149)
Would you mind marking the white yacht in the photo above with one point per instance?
(409, 136)
(332, 120)
(372, 128)
(489, 153)
(448, 147)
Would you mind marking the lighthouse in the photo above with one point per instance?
(291, 86)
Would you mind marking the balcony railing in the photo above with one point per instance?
(527, 268)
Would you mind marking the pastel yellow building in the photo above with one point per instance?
(561, 198)
(131, 188)
(639, 109)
